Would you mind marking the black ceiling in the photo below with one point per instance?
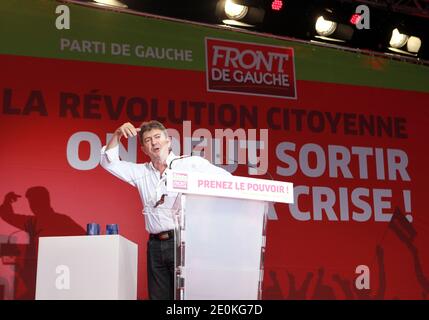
(297, 18)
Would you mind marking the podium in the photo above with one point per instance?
(221, 233)
(86, 268)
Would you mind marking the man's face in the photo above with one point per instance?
(156, 145)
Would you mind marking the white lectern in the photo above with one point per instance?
(220, 233)
(86, 267)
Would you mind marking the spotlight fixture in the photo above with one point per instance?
(414, 44)
(236, 13)
(277, 5)
(403, 43)
(398, 39)
(355, 18)
(330, 30)
(325, 27)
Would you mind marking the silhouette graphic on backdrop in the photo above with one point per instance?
(405, 231)
(301, 293)
(44, 222)
(344, 285)
(352, 292)
(322, 291)
(273, 292)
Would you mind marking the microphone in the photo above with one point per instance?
(179, 158)
(183, 157)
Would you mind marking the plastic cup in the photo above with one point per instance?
(92, 229)
(112, 229)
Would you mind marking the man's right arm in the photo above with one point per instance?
(124, 170)
(126, 130)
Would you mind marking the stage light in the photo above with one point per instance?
(111, 3)
(403, 43)
(414, 44)
(355, 18)
(277, 5)
(325, 27)
(330, 30)
(235, 11)
(398, 40)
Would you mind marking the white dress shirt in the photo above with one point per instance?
(151, 185)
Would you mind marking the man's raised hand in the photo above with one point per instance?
(127, 130)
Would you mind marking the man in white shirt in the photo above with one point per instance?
(150, 180)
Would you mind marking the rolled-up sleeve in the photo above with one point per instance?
(127, 171)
